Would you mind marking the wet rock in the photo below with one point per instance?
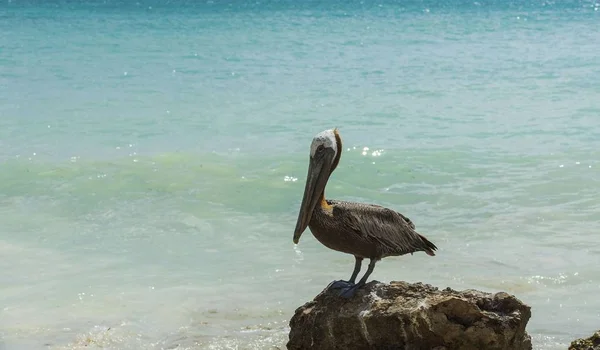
(591, 343)
(401, 315)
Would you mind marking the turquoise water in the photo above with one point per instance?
(153, 158)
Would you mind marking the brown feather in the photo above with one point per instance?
(367, 230)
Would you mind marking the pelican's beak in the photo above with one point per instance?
(318, 174)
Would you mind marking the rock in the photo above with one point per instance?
(591, 343)
(401, 315)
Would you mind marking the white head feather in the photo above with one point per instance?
(326, 139)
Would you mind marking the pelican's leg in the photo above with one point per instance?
(357, 266)
(363, 280)
(349, 292)
(346, 284)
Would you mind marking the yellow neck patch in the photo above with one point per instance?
(327, 208)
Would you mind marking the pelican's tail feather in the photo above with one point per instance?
(429, 246)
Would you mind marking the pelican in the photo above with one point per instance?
(366, 231)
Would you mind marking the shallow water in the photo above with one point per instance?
(153, 158)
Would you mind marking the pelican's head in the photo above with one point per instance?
(325, 151)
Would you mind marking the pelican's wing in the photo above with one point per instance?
(393, 232)
(372, 206)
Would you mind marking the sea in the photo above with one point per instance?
(153, 156)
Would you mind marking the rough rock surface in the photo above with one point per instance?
(591, 343)
(401, 315)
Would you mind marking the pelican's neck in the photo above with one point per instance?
(336, 161)
(338, 155)
(323, 201)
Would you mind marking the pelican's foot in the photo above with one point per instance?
(349, 292)
(340, 285)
